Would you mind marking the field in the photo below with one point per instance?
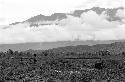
(98, 63)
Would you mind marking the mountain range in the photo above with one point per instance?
(54, 19)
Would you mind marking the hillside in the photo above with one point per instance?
(50, 45)
(66, 64)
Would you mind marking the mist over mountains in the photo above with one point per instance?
(34, 21)
(86, 44)
(94, 24)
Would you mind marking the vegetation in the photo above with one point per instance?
(68, 64)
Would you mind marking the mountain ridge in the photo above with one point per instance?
(76, 13)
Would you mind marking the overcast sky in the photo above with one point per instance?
(83, 28)
(20, 10)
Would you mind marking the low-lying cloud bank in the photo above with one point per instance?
(89, 26)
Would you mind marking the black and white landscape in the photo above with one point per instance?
(81, 27)
(62, 41)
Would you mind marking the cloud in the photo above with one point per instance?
(102, 4)
(121, 14)
(98, 21)
(89, 26)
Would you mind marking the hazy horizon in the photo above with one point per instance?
(89, 26)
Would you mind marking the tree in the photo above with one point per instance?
(123, 53)
(10, 52)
